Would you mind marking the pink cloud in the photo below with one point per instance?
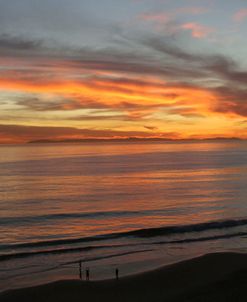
(157, 18)
(240, 15)
(197, 30)
(165, 17)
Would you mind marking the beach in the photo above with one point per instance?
(211, 277)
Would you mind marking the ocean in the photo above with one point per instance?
(132, 206)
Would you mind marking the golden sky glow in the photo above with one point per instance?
(165, 77)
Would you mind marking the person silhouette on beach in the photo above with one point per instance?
(116, 271)
(87, 274)
(80, 270)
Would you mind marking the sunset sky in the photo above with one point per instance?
(122, 68)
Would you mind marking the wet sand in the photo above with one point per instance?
(212, 277)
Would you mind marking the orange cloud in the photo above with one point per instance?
(139, 96)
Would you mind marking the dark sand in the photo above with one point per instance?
(213, 277)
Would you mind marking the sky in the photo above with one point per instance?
(72, 69)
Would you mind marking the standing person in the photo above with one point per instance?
(116, 271)
(80, 270)
(87, 274)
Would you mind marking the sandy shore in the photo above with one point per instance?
(213, 277)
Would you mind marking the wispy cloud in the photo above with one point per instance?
(197, 30)
(136, 85)
(164, 17)
(169, 23)
(240, 15)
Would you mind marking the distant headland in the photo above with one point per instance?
(131, 139)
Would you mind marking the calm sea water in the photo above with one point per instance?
(134, 206)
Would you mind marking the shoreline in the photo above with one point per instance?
(211, 277)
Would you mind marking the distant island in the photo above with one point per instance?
(131, 139)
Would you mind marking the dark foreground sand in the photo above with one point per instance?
(213, 277)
